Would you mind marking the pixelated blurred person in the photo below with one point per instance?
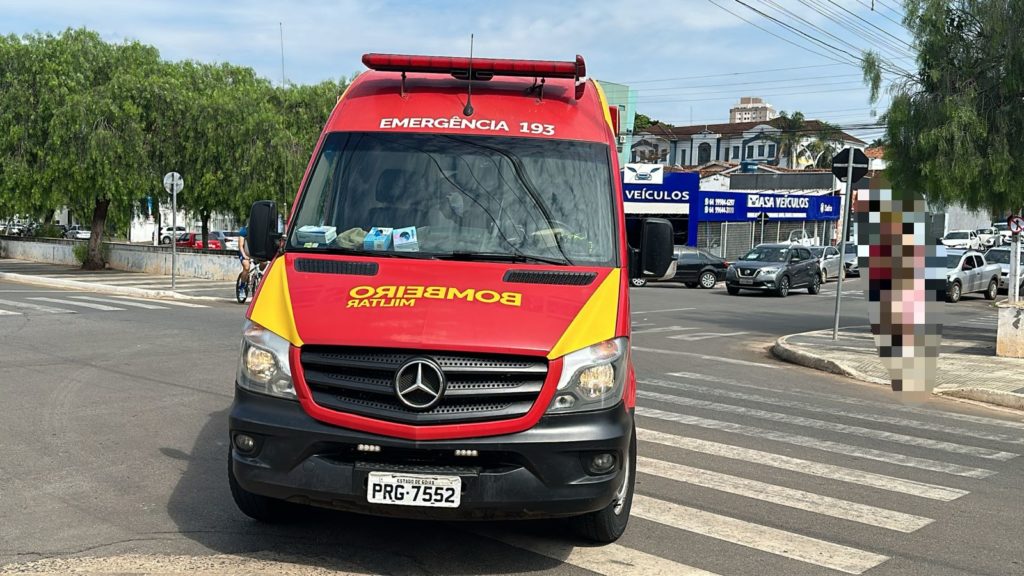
(906, 285)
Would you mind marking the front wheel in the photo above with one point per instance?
(607, 525)
(815, 286)
(708, 280)
(955, 292)
(732, 290)
(241, 290)
(783, 290)
(993, 290)
(256, 506)
(638, 282)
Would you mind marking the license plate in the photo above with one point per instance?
(746, 280)
(414, 490)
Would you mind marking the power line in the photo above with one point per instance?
(825, 56)
(880, 13)
(703, 76)
(734, 84)
(786, 11)
(801, 92)
(766, 90)
(848, 19)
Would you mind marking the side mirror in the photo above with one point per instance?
(263, 236)
(656, 249)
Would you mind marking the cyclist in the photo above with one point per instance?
(243, 253)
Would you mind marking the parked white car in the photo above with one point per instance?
(990, 237)
(962, 240)
(168, 232)
(77, 232)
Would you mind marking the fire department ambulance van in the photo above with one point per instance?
(444, 329)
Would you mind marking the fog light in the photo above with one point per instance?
(368, 448)
(601, 463)
(467, 453)
(245, 443)
(564, 401)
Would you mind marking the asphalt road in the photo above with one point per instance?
(113, 456)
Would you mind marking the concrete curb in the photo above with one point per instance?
(787, 352)
(106, 288)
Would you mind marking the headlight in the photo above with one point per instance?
(769, 271)
(263, 366)
(592, 378)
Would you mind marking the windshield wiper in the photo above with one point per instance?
(502, 257)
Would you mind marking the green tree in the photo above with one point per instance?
(792, 128)
(642, 122)
(955, 128)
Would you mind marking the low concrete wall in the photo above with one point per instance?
(128, 257)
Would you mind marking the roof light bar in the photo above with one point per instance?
(483, 68)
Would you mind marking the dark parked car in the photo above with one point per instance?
(777, 268)
(697, 268)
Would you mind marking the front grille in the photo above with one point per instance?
(480, 387)
(747, 271)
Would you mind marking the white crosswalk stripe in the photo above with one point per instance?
(818, 444)
(121, 302)
(35, 307)
(840, 473)
(895, 405)
(898, 421)
(610, 559)
(167, 302)
(830, 426)
(758, 537)
(91, 305)
(783, 496)
(9, 313)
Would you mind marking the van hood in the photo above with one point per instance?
(489, 307)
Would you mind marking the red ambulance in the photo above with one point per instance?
(444, 330)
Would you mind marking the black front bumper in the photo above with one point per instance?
(538, 473)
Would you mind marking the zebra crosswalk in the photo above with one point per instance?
(848, 508)
(66, 303)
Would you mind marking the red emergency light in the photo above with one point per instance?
(483, 68)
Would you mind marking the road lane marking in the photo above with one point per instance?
(36, 307)
(756, 536)
(894, 405)
(830, 471)
(662, 329)
(666, 310)
(789, 497)
(830, 426)
(120, 302)
(609, 559)
(9, 313)
(705, 357)
(162, 301)
(897, 421)
(103, 307)
(817, 444)
(705, 336)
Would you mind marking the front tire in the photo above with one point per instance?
(241, 290)
(638, 282)
(955, 292)
(783, 289)
(993, 290)
(732, 290)
(708, 280)
(165, 241)
(255, 506)
(607, 525)
(815, 286)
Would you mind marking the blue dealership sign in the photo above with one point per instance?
(741, 206)
(669, 188)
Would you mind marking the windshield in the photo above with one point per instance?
(767, 254)
(436, 195)
(851, 249)
(952, 261)
(1001, 226)
(956, 236)
(817, 251)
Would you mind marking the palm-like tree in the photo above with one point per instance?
(791, 135)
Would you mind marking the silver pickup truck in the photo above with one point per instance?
(967, 271)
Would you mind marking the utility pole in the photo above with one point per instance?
(280, 26)
(854, 163)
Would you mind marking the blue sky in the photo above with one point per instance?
(687, 58)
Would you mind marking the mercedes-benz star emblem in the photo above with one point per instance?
(420, 384)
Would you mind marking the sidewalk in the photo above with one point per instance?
(116, 281)
(968, 367)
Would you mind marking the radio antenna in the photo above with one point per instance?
(468, 110)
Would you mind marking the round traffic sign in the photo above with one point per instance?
(173, 182)
(1016, 224)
